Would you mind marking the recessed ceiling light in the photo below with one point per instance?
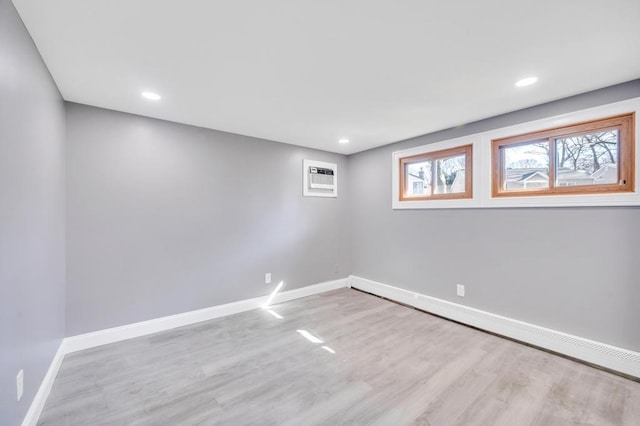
(151, 96)
(343, 140)
(526, 81)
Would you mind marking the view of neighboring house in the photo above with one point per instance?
(418, 184)
(539, 178)
(458, 182)
(419, 178)
(606, 174)
(526, 178)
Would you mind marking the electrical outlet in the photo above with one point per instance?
(20, 384)
(460, 290)
(267, 278)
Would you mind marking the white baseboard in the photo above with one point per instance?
(130, 331)
(116, 334)
(608, 356)
(33, 414)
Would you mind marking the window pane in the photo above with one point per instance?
(589, 159)
(450, 175)
(526, 166)
(418, 179)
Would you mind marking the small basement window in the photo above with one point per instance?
(437, 175)
(586, 158)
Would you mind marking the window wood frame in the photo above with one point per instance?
(466, 150)
(624, 123)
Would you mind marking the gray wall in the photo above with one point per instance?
(571, 269)
(164, 218)
(31, 216)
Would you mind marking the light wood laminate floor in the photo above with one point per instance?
(392, 366)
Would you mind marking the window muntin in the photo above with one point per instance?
(591, 157)
(442, 174)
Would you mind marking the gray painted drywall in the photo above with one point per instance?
(570, 269)
(31, 216)
(164, 218)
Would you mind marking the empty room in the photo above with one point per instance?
(319, 212)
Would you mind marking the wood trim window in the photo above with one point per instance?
(586, 158)
(437, 175)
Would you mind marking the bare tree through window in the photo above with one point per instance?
(594, 156)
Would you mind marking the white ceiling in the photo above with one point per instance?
(309, 72)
